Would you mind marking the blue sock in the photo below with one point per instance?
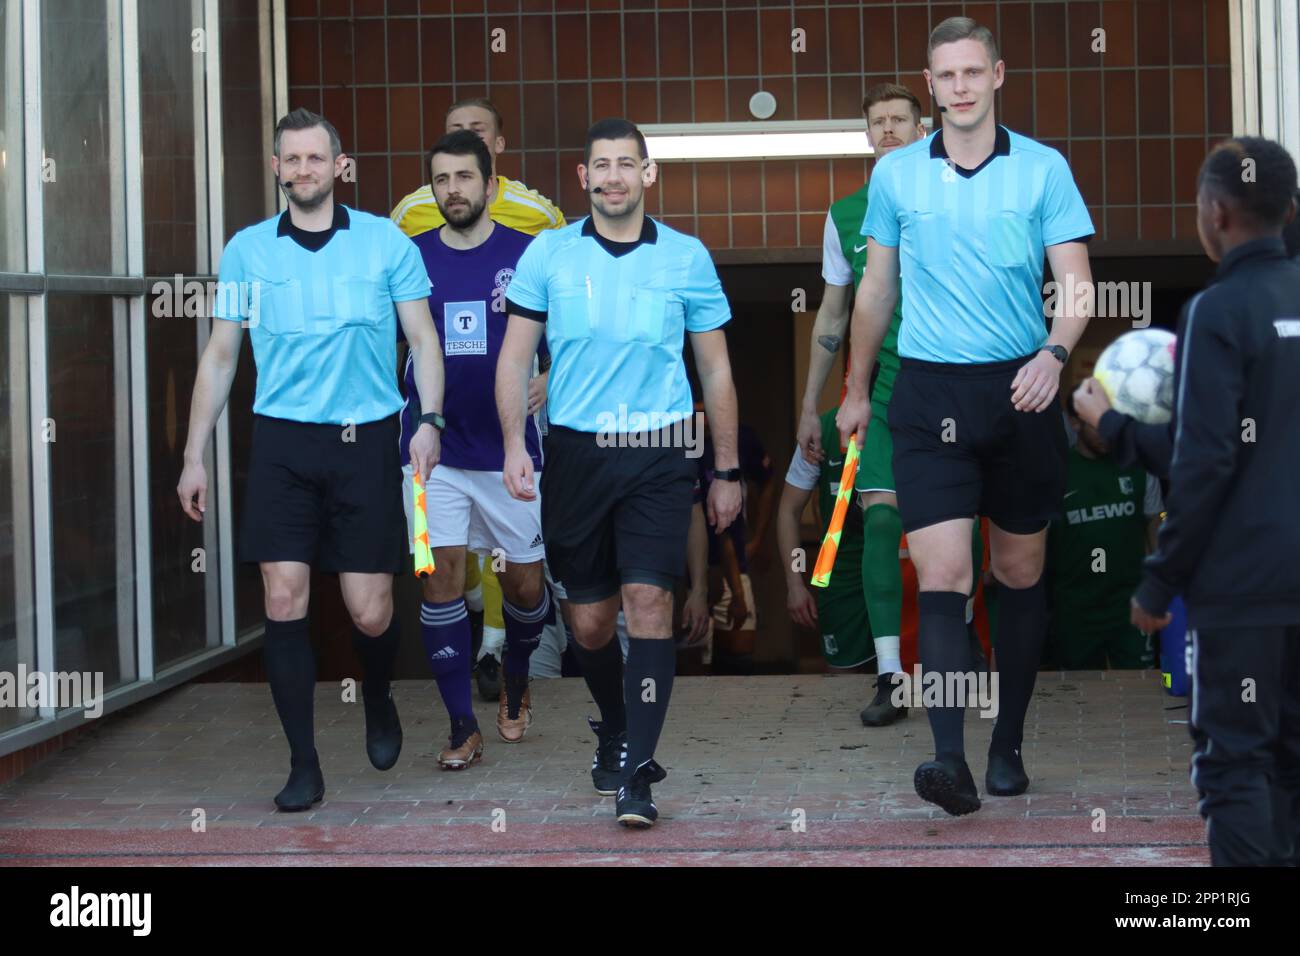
(446, 633)
(523, 633)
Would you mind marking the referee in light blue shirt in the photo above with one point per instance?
(318, 287)
(968, 213)
(615, 295)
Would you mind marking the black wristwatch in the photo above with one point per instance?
(727, 474)
(1058, 352)
(434, 419)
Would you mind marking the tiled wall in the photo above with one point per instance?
(1134, 121)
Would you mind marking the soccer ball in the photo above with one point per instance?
(1137, 373)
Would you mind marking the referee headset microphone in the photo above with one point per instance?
(940, 106)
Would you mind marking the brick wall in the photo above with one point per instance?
(1135, 121)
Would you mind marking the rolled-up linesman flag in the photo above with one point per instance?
(423, 555)
(821, 576)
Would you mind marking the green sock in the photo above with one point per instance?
(882, 583)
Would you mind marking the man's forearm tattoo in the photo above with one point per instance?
(831, 343)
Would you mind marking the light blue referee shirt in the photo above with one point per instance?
(971, 244)
(616, 315)
(322, 322)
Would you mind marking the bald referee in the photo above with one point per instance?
(968, 213)
(615, 294)
(324, 479)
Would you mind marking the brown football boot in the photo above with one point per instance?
(512, 730)
(459, 757)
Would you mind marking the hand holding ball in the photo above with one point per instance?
(1137, 373)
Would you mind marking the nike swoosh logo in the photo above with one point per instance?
(859, 248)
(1068, 493)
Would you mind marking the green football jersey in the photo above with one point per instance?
(848, 215)
(1095, 551)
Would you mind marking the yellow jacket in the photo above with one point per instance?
(515, 206)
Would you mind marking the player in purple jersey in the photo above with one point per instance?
(470, 261)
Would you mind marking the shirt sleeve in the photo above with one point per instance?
(232, 300)
(706, 303)
(1135, 444)
(1207, 449)
(407, 277)
(1154, 503)
(836, 269)
(881, 222)
(527, 293)
(801, 474)
(1063, 213)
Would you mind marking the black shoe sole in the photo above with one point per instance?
(1005, 788)
(453, 767)
(1005, 791)
(898, 714)
(934, 785)
(300, 807)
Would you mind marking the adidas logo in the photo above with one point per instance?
(536, 541)
(446, 654)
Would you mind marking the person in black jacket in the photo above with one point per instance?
(1231, 542)
(1134, 443)
(1291, 234)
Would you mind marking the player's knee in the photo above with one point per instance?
(945, 578)
(373, 619)
(441, 588)
(526, 593)
(589, 635)
(284, 603)
(446, 583)
(1017, 573)
(649, 609)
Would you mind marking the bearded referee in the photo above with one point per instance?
(615, 294)
(968, 213)
(324, 478)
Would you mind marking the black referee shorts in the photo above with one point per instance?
(315, 497)
(961, 448)
(614, 515)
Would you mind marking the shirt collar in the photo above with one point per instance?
(340, 221)
(1001, 147)
(1269, 247)
(648, 231)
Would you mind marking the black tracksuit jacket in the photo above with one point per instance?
(1230, 543)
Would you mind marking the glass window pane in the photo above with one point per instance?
(245, 128)
(90, 486)
(171, 74)
(249, 187)
(81, 102)
(17, 615)
(13, 236)
(185, 587)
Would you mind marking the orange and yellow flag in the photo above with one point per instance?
(423, 554)
(821, 576)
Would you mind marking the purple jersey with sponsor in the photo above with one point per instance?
(468, 305)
